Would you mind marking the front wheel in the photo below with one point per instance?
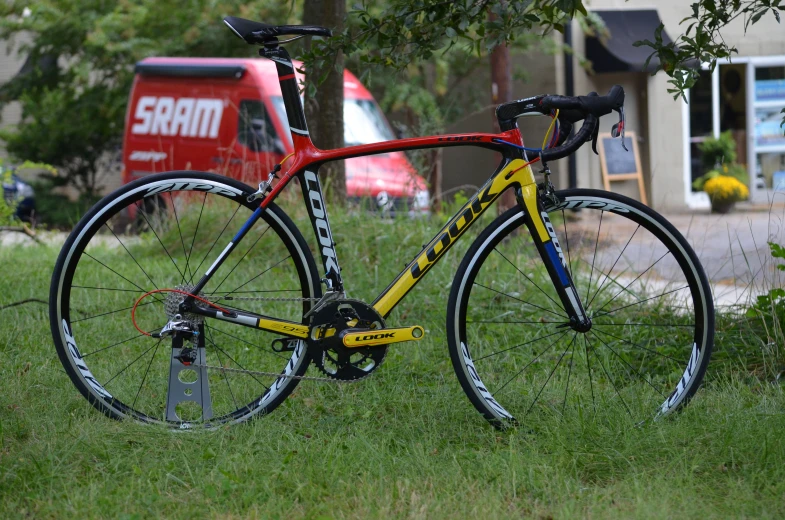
(640, 283)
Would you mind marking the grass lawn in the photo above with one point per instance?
(405, 442)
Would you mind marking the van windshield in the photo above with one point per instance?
(363, 122)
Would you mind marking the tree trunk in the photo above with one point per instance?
(324, 111)
(501, 92)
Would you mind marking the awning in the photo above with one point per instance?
(626, 26)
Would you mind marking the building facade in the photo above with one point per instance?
(743, 96)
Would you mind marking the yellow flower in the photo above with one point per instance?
(724, 188)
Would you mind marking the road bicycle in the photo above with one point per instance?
(569, 302)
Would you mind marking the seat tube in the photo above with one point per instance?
(317, 211)
(547, 243)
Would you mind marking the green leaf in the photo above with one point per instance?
(777, 251)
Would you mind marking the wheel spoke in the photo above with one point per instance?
(600, 286)
(527, 277)
(523, 345)
(569, 373)
(129, 254)
(145, 373)
(223, 372)
(588, 367)
(162, 245)
(193, 240)
(105, 289)
(551, 374)
(214, 344)
(632, 282)
(643, 324)
(242, 258)
(258, 275)
(593, 258)
(248, 343)
(640, 302)
(535, 322)
(518, 299)
(132, 362)
(115, 311)
(637, 372)
(636, 345)
(610, 379)
(527, 365)
(179, 232)
(216, 239)
(567, 243)
(112, 270)
(116, 344)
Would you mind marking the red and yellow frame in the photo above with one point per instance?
(514, 172)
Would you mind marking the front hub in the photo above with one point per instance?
(582, 326)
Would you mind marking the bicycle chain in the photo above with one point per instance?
(276, 374)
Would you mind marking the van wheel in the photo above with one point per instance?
(188, 218)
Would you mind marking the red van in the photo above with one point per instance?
(227, 116)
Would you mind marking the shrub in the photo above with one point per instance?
(716, 151)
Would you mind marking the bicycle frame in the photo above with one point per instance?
(513, 172)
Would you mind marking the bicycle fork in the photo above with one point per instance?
(544, 235)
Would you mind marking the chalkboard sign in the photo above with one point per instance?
(618, 164)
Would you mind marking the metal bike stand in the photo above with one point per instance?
(197, 391)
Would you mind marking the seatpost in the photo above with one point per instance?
(290, 90)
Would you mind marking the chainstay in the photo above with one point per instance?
(262, 298)
(278, 374)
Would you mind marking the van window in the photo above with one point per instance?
(363, 122)
(259, 139)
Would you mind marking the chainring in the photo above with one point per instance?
(330, 356)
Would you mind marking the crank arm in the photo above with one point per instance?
(354, 338)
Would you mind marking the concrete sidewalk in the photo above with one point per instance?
(734, 250)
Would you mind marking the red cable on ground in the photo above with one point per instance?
(145, 295)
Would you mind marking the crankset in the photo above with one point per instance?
(336, 321)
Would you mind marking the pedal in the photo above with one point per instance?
(354, 338)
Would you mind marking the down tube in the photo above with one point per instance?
(504, 177)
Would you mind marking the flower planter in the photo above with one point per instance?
(722, 207)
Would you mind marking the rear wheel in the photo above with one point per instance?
(163, 232)
(640, 282)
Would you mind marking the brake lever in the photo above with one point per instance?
(619, 128)
(594, 137)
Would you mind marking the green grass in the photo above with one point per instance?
(404, 443)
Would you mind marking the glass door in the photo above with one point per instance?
(766, 83)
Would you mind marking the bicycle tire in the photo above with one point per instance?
(503, 364)
(127, 246)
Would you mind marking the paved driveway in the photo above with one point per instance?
(733, 249)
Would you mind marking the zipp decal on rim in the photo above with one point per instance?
(484, 393)
(194, 186)
(284, 378)
(77, 357)
(674, 398)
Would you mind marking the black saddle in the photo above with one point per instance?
(259, 33)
